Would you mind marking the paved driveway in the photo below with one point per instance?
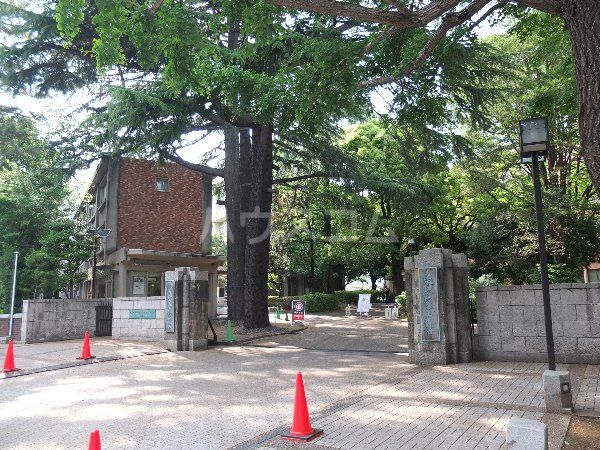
(334, 332)
(205, 400)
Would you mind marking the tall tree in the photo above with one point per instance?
(247, 85)
(580, 17)
(33, 196)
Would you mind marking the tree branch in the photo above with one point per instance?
(401, 7)
(154, 8)
(489, 12)
(357, 12)
(450, 21)
(380, 37)
(549, 6)
(195, 167)
(299, 178)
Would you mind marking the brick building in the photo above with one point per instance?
(159, 217)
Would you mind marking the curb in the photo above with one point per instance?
(68, 365)
(241, 342)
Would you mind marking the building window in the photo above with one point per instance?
(162, 184)
(154, 289)
(102, 193)
(139, 284)
(593, 275)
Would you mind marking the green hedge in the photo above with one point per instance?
(315, 303)
(352, 296)
(320, 302)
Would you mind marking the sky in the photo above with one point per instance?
(56, 108)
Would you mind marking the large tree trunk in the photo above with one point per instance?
(397, 281)
(582, 19)
(258, 227)
(236, 242)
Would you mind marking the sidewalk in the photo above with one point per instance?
(465, 406)
(45, 356)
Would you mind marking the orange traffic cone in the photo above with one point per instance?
(85, 351)
(301, 429)
(95, 441)
(9, 360)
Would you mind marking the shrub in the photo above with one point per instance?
(401, 301)
(315, 303)
(483, 280)
(352, 296)
(320, 302)
(284, 303)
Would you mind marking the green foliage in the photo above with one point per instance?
(33, 196)
(69, 17)
(320, 302)
(352, 296)
(53, 265)
(219, 245)
(401, 301)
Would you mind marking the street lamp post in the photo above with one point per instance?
(12, 297)
(534, 146)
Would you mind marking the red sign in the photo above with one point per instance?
(298, 308)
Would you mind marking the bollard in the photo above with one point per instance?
(395, 312)
(388, 312)
(526, 434)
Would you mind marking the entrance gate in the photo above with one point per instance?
(104, 315)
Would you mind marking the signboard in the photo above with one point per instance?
(139, 286)
(528, 159)
(298, 309)
(429, 304)
(364, 303)
(170, 306)
(142, 314)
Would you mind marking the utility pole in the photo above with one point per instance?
(12, 299)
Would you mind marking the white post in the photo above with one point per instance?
(12, 300)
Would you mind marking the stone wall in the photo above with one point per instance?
(437, 303)
(139, 318)
(58, 319)
(510, 323)
(4, 325)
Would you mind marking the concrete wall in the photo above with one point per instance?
(125, 327)
(511, 323)
(58, 319)
(4, 326)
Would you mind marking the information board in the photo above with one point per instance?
(298, 309)
(170, 306)
(142, 314)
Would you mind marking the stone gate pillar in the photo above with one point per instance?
(186, 304)
(437, 304)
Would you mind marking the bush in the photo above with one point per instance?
(352, 296)
(483, 280)
(320, 302)
(315, 303)
(401, 301)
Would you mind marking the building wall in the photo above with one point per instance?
(166, 221)
(4, 325)
(125, 327)
(58, 319)
(510, 323)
